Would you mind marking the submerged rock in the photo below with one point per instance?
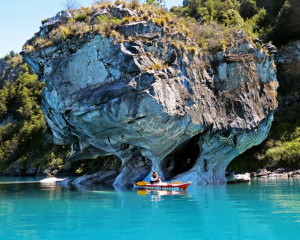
(149, 102)
(65, 182)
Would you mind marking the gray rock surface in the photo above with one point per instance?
(277, 173)
(101, 177)
(117, 11)
(65, 183)
(53, 22)
(139, 28)
(17, 170)
(105, 97)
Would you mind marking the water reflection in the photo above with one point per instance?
(156, 195)
(48, 186)
(270, 204)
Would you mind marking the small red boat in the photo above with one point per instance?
(164, 185)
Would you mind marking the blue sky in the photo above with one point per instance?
(20, 19)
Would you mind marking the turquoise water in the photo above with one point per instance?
(264, 209)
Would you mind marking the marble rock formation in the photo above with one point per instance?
(154, 106)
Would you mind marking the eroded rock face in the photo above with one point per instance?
(102, 177)
(17, 170)
(107, 98)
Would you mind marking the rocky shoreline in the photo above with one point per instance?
(271, 173)
(107, 177)
(277, 173)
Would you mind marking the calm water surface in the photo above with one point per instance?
(264, 209)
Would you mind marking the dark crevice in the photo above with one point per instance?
(182, 159)
(205, 165)
(136, 119)
(124, 146)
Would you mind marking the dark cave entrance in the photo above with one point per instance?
(182, 159)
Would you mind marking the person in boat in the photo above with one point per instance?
(155, 178)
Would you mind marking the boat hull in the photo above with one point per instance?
(182, 186)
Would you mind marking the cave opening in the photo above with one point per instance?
(182, 159)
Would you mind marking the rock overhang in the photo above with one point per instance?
(109, 98)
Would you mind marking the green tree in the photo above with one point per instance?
(248, 9)
(156, 2)
(224, 11)
(22, 121)
(232, 17)
(260, 19)
(287, 26)
(210, 10)
(272, 6)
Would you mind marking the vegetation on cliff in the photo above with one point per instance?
(97, 19)
(272, 20)
(22, 122)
